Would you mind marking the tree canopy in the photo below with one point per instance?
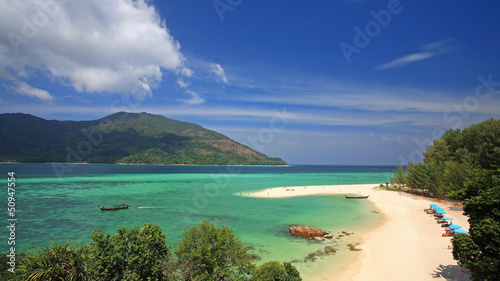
(206, 253)
(453, 159)
(211, 253)
(465, 165)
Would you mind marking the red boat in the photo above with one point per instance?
(115, 207)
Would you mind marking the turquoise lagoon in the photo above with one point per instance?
(55, 206)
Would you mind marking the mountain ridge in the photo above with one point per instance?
(120, 138)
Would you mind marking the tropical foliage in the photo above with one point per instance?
(465, 165)
(479, 250)
(453, 159)
(136, 253)
(206, 253)
(211, 253)
(275, 271)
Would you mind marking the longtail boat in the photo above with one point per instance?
(115, 207)
(357, 197)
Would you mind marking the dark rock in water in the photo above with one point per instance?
(328, 236)
(306, 231)
(330, 250)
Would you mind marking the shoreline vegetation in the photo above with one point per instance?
(464, 165)
(206, 252)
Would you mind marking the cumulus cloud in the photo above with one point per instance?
(116, 46)
(194, 99)
(24, 89)
(219, 72)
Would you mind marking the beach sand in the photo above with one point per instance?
(408, 246)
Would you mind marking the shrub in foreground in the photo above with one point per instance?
(211, 253)
(206, 253)
(275, 271)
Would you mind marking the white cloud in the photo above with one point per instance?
(219, 72)
(117, 46)
(429, 50)
(338, 96)
(406, 60)
(182, 83)
(24, 89)
(195, 99)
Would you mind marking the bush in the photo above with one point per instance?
(205, 253)
(56, 262)
(211, 253)
(130, 254)
(275, 271)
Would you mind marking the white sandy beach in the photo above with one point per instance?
(408, 246)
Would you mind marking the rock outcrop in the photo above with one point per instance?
(306, 231)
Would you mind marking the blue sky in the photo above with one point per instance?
(340, 82)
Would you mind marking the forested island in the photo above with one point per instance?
(465, 165)
(120, 138)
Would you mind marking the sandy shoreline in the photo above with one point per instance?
(408, 246)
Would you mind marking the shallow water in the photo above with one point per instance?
(65, 207)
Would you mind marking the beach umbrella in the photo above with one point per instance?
(433, 205)
(454, 226)
(447, 218)
(440, 211)
(460, 231)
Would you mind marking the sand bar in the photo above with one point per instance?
(408, 246)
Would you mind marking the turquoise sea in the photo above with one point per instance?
(60, 205)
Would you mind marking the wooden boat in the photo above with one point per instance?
(357, 197)
(115, 207)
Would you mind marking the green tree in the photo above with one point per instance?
(454, 142)
(293, 273)
(130, 254)
(479, 250)
(456, 174)
(56, 262)
(438, 152)
(275, 271)
(211, 253)
(399, 178)
(483, 142)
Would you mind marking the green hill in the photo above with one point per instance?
(132, 138)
